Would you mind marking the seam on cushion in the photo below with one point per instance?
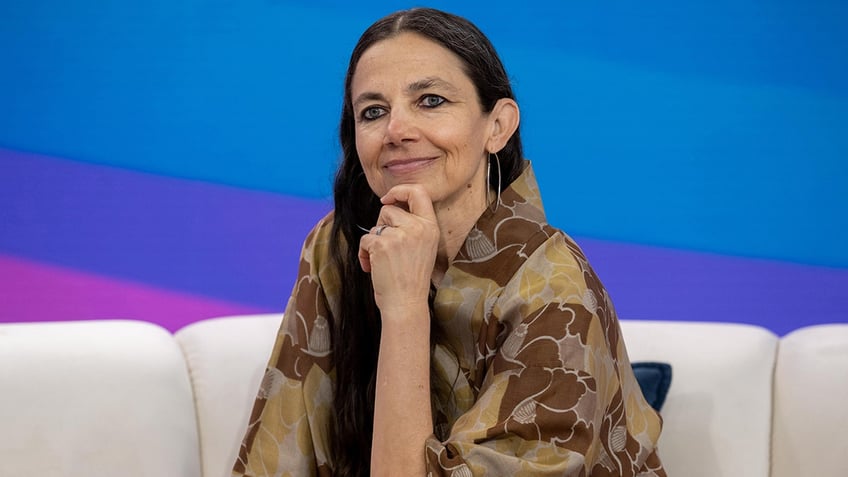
(187, 360)
(771, 410)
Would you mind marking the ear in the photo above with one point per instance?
(504, 119)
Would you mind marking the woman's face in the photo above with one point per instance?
(418, 120)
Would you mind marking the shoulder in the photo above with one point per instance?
(562, 266)
(304, 338)
(556, 293)
(315, 253)
(321, 232)
(555, 271)
(318, 280)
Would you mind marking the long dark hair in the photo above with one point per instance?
(356, 331)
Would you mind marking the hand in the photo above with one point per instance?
(401, 258)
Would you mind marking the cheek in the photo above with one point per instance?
(374, 184)
(366, 148)
(467, 138)
(368, 159)
(372, 177)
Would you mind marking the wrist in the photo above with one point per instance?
(407, 314)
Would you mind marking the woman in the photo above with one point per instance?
(439, 326)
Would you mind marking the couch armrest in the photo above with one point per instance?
(95, 398)
(717, 415)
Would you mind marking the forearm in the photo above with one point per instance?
(402, 415)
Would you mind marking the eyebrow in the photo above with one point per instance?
(429, 82)
(414, 87)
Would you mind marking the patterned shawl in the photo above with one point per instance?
(536, 378)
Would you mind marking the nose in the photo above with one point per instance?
(400, 128)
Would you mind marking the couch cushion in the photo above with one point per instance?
(227, 358)
(717, 415)
(810, 415)
(654, 379)
(95, 398)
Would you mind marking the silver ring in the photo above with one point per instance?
(380, 229)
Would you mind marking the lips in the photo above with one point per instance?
(408, 165)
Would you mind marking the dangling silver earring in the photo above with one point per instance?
(489, 181)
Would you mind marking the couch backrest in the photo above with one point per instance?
(227, 358)
(107, 398)
(717, 415)
(810, 410)
(95, 399)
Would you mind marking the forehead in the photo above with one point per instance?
(406, 58)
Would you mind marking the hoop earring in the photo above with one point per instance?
(489, 181)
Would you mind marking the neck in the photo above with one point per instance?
(455, 222)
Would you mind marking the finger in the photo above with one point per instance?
(379, 229)
(392, 216)
(364, 257)
(414, 196)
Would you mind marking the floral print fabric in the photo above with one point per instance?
(536, 378)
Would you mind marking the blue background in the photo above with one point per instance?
(713, 127)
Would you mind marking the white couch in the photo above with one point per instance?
(128, 398)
